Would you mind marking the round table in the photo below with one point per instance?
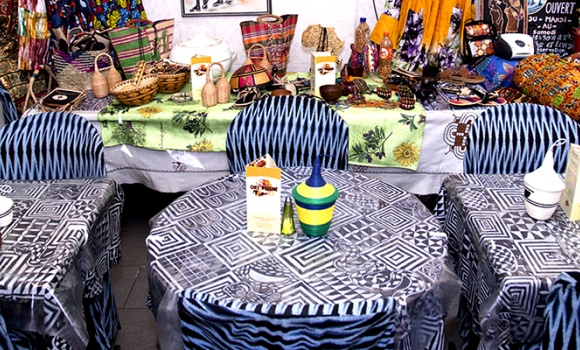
(383, 243)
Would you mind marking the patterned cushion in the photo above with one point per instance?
(51, 145)
(513, 138)
(498, 72)
(292, 129)
(553, 81)
(211, 324)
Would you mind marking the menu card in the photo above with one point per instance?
(263, 198)
(199, 70)
(570, 199)
(322, 71)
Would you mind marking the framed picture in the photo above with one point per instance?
(225, 7)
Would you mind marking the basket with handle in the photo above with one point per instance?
(99, 83)
(213, 94)
(140, 90)
(264, 63)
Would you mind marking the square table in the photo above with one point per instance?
(60, 245)
(506, 260)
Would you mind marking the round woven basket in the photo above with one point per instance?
(170, 83)
(130, 95)
(172, 77)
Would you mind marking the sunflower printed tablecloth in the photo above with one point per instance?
(379, 136)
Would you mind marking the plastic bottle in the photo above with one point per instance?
(361, 35)
(385, 56)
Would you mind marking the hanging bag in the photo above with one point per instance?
(149, 42)
(478, 39)
(273, 32)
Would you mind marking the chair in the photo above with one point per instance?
(292, 129)
(8, 111)
(63, 145)
(513, 139)
(208, 323)
(562, 314)
(51, 145)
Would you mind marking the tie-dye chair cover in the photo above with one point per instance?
(513, 139)
(562, 315)
(292, 129)
(9, 111)
(208, 323)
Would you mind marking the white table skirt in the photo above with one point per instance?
(180, 171)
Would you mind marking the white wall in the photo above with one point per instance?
(343, 15)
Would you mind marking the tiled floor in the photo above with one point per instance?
(130, 286)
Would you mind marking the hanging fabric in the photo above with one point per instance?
(116, 13)
(424, 32)
(33, 34)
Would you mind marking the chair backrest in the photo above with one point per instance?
(562, 313)
(51, 145)
(513, 139)
(292, 129)
(8, 112)
(211, 324)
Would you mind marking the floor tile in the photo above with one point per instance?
(123, 279)
(138, 330)
(138, 295)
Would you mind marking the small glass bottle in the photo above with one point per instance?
(362, 35)
(385, 56)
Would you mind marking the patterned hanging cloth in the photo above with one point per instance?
(33, 34)
(116, 13)
(424, 31)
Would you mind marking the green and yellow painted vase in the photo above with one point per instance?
(314, 200)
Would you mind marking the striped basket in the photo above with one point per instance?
(74, 70)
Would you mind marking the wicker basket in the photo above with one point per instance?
(172, 77)
(140, 90)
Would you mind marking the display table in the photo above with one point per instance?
(506, 260)
(444, 134)
(383, 243)
(64, 238)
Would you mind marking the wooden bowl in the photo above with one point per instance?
(130, 95)
(331, 93)
(281, 92)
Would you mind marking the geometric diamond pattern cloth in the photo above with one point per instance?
(292, 129)
(506, 260)
(513, 139)
(383, 244)
(64, 236)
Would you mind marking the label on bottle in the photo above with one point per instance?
(386, 53)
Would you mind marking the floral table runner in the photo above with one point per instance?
(383, 135)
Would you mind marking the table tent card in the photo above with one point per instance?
(570, 199)
(199, 69)
(322, 71)
(263, 186)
